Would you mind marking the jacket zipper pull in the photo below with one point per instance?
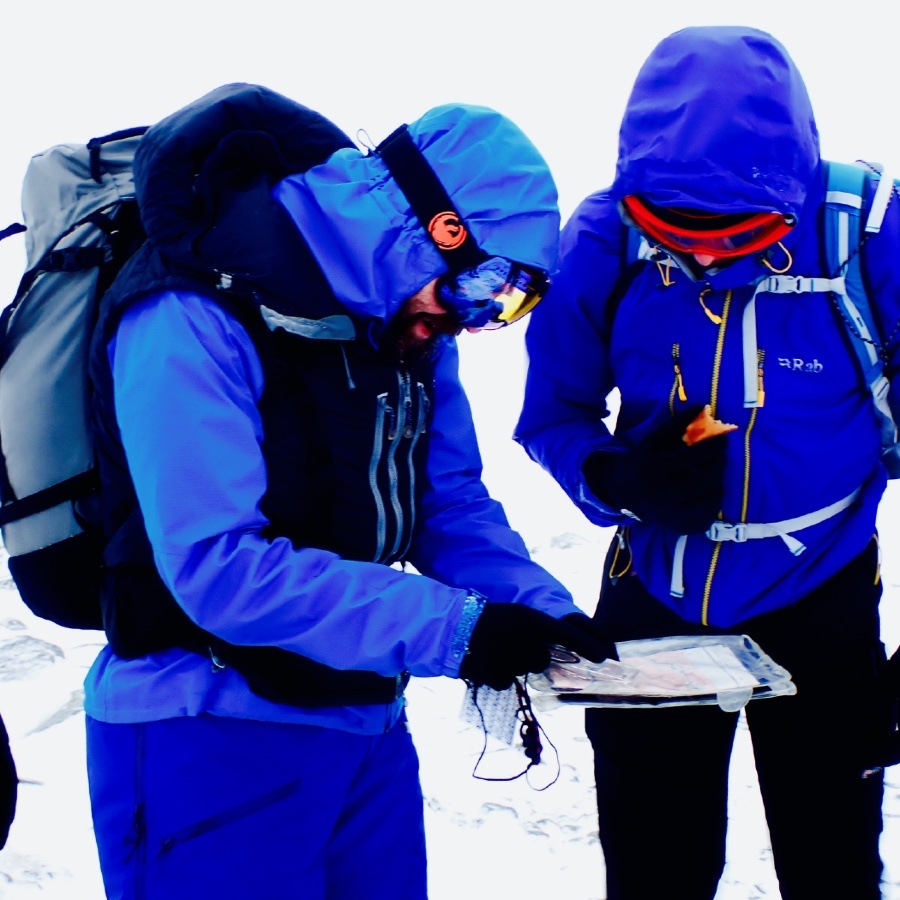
(760, 389)
(679, 380)
(716, 320)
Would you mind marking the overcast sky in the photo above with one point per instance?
(562, 70)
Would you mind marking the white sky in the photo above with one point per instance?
(562, 69)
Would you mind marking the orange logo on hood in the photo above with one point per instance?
(447, 231)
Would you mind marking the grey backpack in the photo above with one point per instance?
(80, 225)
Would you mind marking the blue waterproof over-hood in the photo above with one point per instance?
(719, 119)
(373, 248)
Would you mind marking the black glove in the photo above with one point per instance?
(510, 639)
(661, 479)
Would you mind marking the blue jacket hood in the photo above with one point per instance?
(719, 118)
(371, 246)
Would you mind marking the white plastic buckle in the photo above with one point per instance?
(796, 284)
(725, 531)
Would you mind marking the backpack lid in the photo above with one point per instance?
(60, 188)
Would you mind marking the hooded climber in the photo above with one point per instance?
(282, 429)
(767, 526)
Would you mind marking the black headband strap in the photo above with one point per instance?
(429, 201)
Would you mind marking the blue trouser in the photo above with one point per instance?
(662, 774)
(233, 809)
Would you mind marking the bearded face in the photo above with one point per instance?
(418, 327)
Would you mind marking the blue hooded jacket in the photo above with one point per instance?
(187, 385)
(718, 118)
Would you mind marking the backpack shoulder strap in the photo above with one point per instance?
(636, 253)
(849, 219)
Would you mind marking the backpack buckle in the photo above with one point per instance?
(725, 531)
(796, 284)
(787, 284)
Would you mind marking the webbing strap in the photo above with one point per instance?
(880, 202)
(14, 228)
(79, 485)
(800, 284)
(741, 532)
(95, 147)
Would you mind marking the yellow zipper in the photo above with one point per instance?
(878, 559)
(713, 402)
(717, 361)
(707, 588)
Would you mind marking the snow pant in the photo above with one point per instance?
(662, 774)
(232, 809)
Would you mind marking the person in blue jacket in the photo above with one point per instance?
(295, 517)
(719, 171)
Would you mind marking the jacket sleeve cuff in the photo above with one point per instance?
(472, 607)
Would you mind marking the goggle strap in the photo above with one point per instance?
(426, 195)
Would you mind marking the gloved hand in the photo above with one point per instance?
(510, 639)
(661, 479)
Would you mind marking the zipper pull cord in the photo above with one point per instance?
(760, 389)
(716, 320)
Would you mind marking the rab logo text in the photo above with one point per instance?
(796, 364)
(447, 231)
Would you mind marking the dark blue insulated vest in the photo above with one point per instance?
(345, 425)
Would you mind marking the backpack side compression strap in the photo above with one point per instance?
(14, 228)
(79, 485)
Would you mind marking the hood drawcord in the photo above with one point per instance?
(665, 269)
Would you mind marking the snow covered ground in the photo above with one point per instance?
(487, 840)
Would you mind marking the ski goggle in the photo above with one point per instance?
(492, 294)
(720, 235)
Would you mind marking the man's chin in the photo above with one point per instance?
(397, 345)
(416, 351)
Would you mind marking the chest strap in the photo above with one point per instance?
(747, 531)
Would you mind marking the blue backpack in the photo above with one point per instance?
(847, 225)
(850, 218)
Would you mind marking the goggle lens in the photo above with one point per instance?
(492, 294)
(721, 236)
